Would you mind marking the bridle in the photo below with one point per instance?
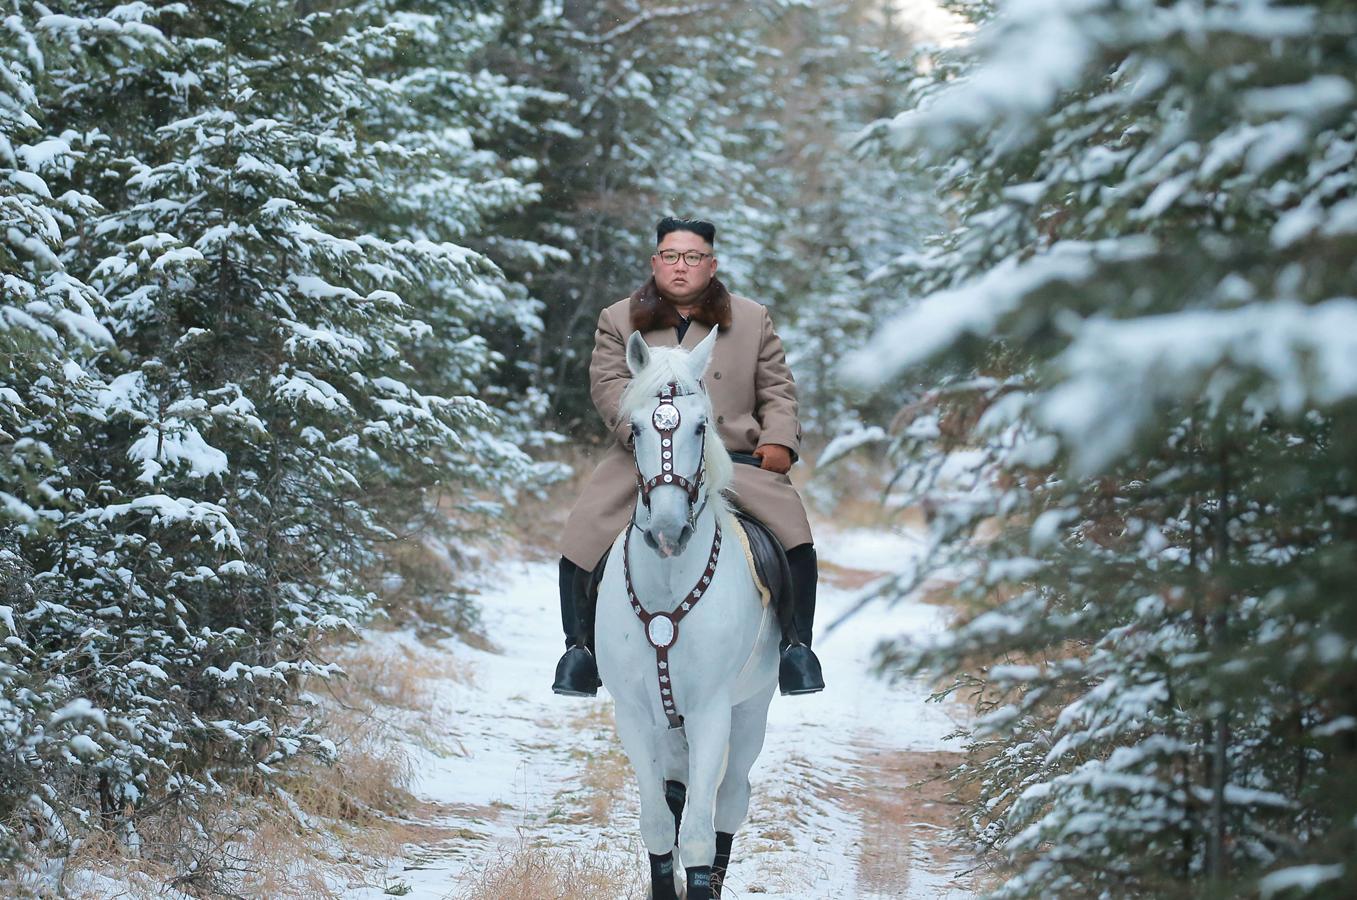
(662, 627)
(666, 419)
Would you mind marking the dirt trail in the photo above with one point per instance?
(534, 798)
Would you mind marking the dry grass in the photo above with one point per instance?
(846, 577)
(606, 774)
(368, 786)
(535, 523)
(396, 676)
(252, 847)
(314, 828)
(860, 510)
(536, 872)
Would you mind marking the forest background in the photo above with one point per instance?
(291, 286)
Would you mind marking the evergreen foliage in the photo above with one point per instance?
(1139, 344)
(740, 113)
(836, 215)
(243, 342)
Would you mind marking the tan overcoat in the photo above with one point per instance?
(752, 395)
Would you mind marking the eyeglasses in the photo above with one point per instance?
(692, 257)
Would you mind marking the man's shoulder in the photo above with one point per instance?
(744, 308)
(745, 304)
(621, 307)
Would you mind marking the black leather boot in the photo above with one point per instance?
(577, 672)
(799, 669)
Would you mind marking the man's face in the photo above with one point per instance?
(682, 282)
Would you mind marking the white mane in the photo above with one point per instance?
(671, 364)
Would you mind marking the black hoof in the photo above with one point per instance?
(799, 671)
(724, 843)
(662, 877)
(577, 674)
(699, 883)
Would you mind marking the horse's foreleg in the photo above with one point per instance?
(642, 745)
(748, 724)
(708, 743)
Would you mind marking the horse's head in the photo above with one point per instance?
(681, 464)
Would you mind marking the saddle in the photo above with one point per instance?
(770, 569)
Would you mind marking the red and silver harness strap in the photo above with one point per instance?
(666, 420)
(662, 628)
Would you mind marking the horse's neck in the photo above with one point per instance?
(660, 582)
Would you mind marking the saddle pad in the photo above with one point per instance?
(765, 594)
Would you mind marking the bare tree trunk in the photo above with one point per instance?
(1216, 864)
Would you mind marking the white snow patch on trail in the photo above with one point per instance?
(518, 754)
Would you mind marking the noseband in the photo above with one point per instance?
(666, 420)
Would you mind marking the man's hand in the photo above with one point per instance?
(774, 457)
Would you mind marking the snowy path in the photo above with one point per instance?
(526, 779)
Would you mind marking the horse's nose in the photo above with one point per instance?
(682, 542)
(650, 540)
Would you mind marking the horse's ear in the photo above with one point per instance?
(701, 354)
(638, 353)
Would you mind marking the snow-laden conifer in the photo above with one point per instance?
(640, 111)
(274, 269)
(1138, 350)
(50, 330)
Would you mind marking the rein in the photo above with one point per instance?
(662, 628)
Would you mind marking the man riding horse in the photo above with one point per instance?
(754, 398)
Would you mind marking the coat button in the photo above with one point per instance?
(720, 420)
(716, 375)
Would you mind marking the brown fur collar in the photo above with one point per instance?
(650, 310)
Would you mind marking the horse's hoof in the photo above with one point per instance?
(664, 878)
(577, 674)
(699, 883)
(799, 672)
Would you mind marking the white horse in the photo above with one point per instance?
(682, 637)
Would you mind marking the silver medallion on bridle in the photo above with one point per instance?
(666, 417)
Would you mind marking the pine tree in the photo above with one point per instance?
(49, 331)
(834, 215)
(276, 238)
(637, 115)
(1137, 348)
(454, 186)
(743, 114)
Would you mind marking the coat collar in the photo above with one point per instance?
(649, 310)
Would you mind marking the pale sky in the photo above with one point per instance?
(931, 22)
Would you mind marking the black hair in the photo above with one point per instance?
(699, 227)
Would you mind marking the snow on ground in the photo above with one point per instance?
(830, 788)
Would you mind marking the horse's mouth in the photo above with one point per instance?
(661, 545)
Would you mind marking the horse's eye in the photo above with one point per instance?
(635, 430)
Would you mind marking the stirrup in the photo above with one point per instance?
(799, 672)
(577, 674)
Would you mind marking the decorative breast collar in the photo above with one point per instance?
(662, 628)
